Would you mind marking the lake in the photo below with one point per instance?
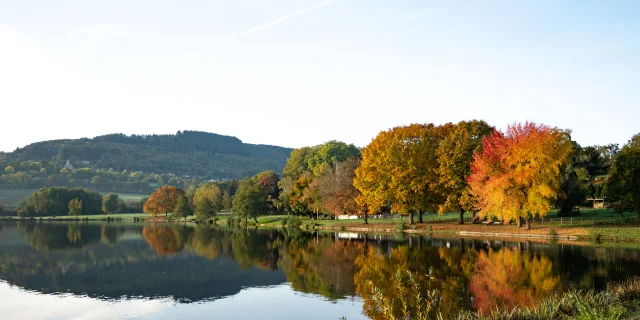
(55, 270)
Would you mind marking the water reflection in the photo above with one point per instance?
(195, 263)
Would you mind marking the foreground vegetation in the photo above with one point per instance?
(618, 301)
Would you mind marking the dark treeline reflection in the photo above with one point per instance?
(193, 263)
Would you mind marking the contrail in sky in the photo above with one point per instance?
(255, 29)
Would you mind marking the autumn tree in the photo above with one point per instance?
(268, 182)
(298, 203)
(299, 195)
(249, 201)
(336, 190)
(163, 200)
(400, 167)
(75, 207)
(517, 173)
(207, 201)
(455, 153)
(110, 203)
(623, 185)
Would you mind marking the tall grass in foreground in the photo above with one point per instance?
(618, 301)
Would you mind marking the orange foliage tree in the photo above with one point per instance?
(163, 200)
(517, 173)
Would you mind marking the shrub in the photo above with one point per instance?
(553, 233)
(401, 226)
(294, 222)
(284, 222)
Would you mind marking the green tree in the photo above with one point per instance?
(10, 170)
(110, 203)
(75, 207)
(122, 206)
(207, 201)
(183, 209)
(250, 201)
(623, 185)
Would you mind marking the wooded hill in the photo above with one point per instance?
(187, 153)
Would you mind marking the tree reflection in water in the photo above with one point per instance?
(391, 275)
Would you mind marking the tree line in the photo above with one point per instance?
(247, 199)
(75, 202)
(469, 167)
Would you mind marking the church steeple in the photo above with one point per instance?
(68, 166)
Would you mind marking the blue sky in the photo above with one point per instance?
(302, 72)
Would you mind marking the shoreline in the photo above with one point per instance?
(540, 232)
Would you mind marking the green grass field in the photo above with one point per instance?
(15, 196)
(622, 233)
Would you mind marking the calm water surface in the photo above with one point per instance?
(171, 271)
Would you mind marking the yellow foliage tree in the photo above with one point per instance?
(400, 167)
(455, 153)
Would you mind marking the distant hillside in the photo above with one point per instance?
(188, 153)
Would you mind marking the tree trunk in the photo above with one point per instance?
(519, 222)
(366, 219)
(410, 217)
(461, 216)
(528, 222)
(419, 216)
(473, 217)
